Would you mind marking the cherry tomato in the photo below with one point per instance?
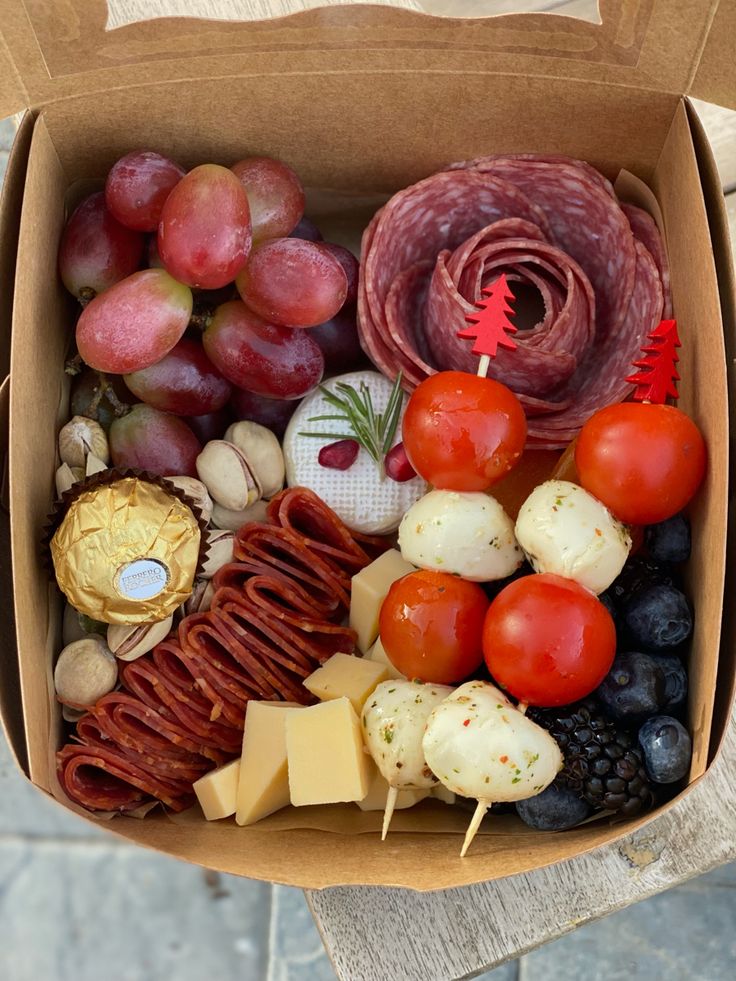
(462, 432)
(548, 640)
(431, 625)
(645, 462)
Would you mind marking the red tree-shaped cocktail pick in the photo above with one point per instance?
(489, 325)
(657, 377)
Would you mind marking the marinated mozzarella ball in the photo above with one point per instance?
(480, 746)
(565, 530)
(394, 718)
(393, 725)
(363, 496)
(467, 534)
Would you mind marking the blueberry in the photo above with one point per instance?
(667, 748)
(638, 573)
(675, 682)
(634, 687)
(555, 809)
(658, 617)
(607, 601)
(669, 541)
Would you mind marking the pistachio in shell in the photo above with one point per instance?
(196, 491)
(219, 551)
(233, 520)
(80, 437)
(224, 471)
(129, 641)
(85, 671)
(263, 452)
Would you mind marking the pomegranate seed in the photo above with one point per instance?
(340, 455)
(397, 464)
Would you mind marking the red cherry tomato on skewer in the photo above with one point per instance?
(643, 461)
(547, 640)
(462, 432)
(431, 625)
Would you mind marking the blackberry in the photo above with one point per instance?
(602, 763)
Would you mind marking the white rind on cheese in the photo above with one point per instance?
(566, 531)
(465, 534)
(480, 746)
(364, 498)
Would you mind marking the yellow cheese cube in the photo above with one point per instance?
(375, 799)
(378, 654)
(263, 786)
(368, 591)
(324, 745)
(217, 791)
(353, 677)
(442, 793)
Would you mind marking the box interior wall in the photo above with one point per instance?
(366, 133)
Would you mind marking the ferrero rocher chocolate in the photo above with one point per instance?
(126, 552)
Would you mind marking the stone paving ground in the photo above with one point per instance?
(77, 905)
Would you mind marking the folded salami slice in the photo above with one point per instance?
(551, 224)
(272, 621)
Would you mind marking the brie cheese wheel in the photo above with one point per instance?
(566, 531)
(362, 496)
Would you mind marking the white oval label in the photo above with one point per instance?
(141, 579)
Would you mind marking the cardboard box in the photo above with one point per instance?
(361, 101)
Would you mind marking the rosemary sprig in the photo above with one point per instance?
(374, 431)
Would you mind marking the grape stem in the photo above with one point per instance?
(104, 389)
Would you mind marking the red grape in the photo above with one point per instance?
(275, 196)
(153, 259)
(350, 265)
(292, 282)
(96, 251)
(134, 323)
(211, 425)
(184, 382)
(274, 414)
(204, 236)
(338, 340)
(307, 230)
(137, 187)
(264, 358)
(147, 439)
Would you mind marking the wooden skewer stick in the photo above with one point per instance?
(478, 815)
(388, 813)
(484, 364)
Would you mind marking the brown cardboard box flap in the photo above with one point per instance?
(62, 50)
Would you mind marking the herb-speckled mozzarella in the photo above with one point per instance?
(480, 746)
(393, 725)
(467, 534)
(565, 530)
(363, 496)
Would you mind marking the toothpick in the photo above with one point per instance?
(478, 815)
(485, 361)
(393, 794)
(522, 707)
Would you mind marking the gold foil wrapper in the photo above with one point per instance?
(126, 552)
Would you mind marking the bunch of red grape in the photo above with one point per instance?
(212, 296)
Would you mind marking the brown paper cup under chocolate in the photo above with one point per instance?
(126, 547)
